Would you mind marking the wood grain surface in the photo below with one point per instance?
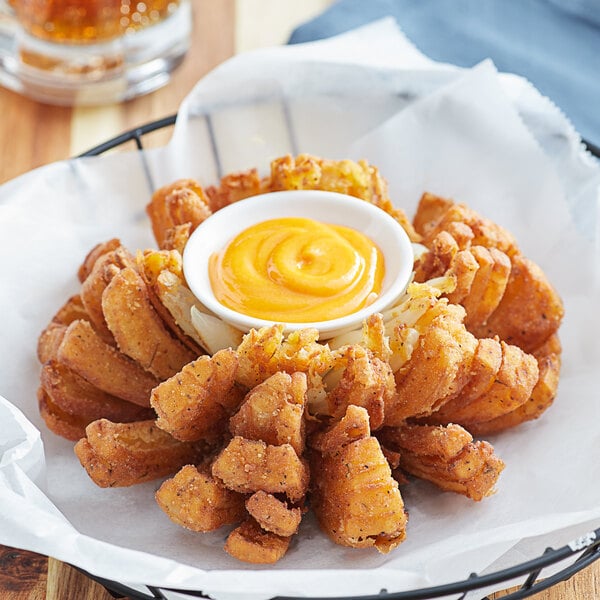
(33, 134)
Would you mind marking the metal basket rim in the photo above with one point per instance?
(588, 544)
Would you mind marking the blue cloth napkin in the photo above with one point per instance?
(553, 43)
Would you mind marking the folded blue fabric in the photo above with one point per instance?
(553, 43)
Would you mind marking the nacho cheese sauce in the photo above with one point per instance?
(297, 270)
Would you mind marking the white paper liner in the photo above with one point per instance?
(491, 141)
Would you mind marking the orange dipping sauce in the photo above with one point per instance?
(297, 270)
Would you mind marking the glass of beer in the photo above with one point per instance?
(91, 51)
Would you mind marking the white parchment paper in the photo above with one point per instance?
(486, 139)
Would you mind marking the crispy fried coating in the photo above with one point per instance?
(485, 232)
(551, 346)
(358, 179)
(250, 543)
(235, 187)
(195, 403)
(446, 442)
(178, 203)
(248, 466)
(58, 421)
(77, 397)
(506, 294)
(374, 337)
(273, 514)
(446, 257)
(464, 268)
(94, 254)
(162, 272)
(151, 263)
(542, 396)
(273, 412)
(194, 499)
(512, 386)
(463, 235)
(430, 210)
(530, 311)
(138, 329)
(487, 288)
(447, 457)
(438, 259)
(366, 381)
(70, 311)
(180, 310)
(176, 238)
(83, 351)
(484, 368)
(124, 454)
(481, 274)
(353, 426)
(93, 286)
(49, 341)
(306, 172)
(266, 351)
(177, 302)
(355, 497)
(240, 419)
(438, 368)
(256, 352)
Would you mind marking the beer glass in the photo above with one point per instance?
(91, 51)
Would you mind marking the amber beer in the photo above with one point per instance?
(89, 21)
(91, 51)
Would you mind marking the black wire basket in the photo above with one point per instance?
(527, 577)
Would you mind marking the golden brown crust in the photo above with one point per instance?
(58, 421)
(70, 311)
(412, 374)
(93, 286)
(273, 412)
(137, 328)
(124, 454)
(438, 369)
(353, 426)
(366, 381)
(235, 187)
(252, 544)
(358, 179)
(49, 341)
(176, 238)
(487, 288)
(355, 497)
(541, 398)
(512, 386)
(103, 366)
(195, 403)
(273, 514)
(178, 203)
(447, 457)
(248, 466)
(438, 259)
(530, 311)
(447, 441)
(77, 397)
(430, 210)
(162, 272)
(266, 351)
(484, 368)
(485, 232)
(94, 254)
(194, 499)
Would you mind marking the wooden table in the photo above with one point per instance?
(33, 134)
